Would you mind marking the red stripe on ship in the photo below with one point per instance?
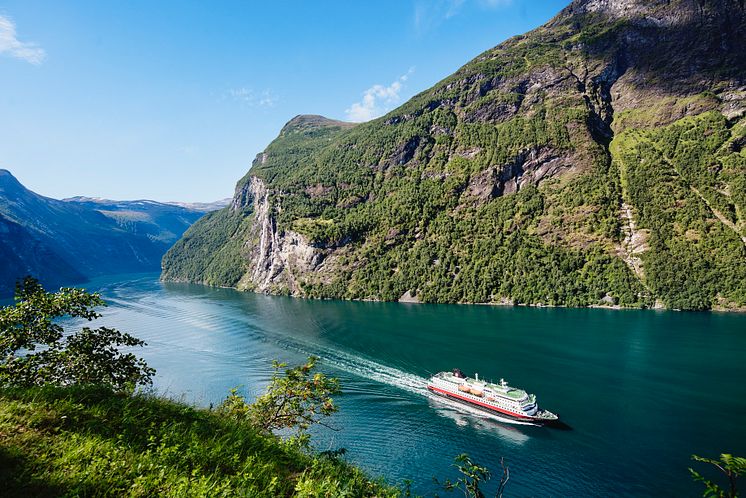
(449, 393)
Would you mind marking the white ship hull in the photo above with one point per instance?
(499, 399)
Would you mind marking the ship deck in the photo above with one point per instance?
(508, 391)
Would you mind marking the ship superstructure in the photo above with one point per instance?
(499, 398)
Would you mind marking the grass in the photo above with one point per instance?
(87, 441)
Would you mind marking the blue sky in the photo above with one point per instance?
(171, 100)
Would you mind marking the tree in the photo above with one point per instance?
(295, 399)
(473, 475)
(732, 467)
(35, 350)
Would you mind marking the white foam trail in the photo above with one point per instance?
(350, 363)
(374, 371)
(377, 372)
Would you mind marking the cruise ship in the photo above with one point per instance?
(500, 398)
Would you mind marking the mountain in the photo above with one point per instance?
(203, 207)
(159, 221)
(597, 160)
(64, 242)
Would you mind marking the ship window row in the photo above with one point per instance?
(499, 404)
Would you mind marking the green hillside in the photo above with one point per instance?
(596, 160)
(87, 441)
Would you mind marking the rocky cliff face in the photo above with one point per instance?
(593, 160)
(277, 258)
(658, 12)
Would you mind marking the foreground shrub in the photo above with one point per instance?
(730, 466)
(35, 350)
(296, 398)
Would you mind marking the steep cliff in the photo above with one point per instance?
(242, 245)
(595, 160)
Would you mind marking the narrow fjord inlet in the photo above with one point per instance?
(483, 248)
(640, 391)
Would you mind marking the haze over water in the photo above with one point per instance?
(640, 390)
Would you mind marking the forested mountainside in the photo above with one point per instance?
(596, 160)
(64, 242)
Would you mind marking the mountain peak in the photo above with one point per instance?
(8, 182)
(309, 122)
(670, 12)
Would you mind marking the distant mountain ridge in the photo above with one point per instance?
(596, 160)
(67, 241)
(163, 221)
(202, 207)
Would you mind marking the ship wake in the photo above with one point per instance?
(372, 370)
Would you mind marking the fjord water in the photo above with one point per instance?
(640, 390)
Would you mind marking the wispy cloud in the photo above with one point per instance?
(12, 46)
(377, 100)
(493, 4)
(428, 14)
(251, 98)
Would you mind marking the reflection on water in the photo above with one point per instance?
(636, 386)
(478, 420)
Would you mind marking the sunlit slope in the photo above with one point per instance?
(527, 176)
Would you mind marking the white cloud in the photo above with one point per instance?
(251, 98)
(10, 45)
(377, 100)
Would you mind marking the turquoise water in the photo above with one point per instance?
(640, 390)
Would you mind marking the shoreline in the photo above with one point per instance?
(502, 303)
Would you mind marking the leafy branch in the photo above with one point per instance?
(296, 398)
(730, 466)
(472, 475)
(34, 349)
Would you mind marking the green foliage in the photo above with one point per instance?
(210, 250)
(731, 467)
(412, 227)
(473, 476)
(682, 179)
(395, 193)
(88, 441)
(34, 349)
(296, 398)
